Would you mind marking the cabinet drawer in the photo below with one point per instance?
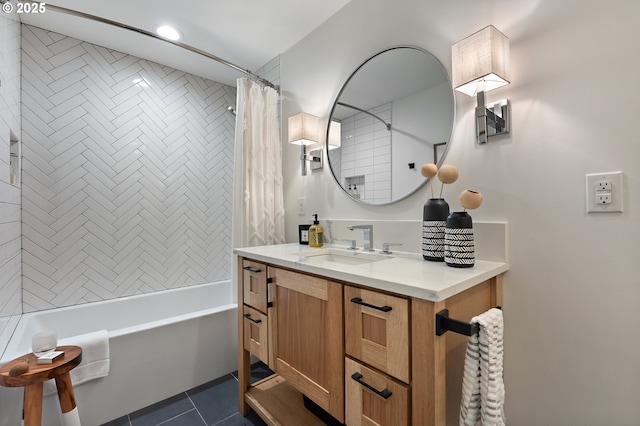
(373, 398)
(377, 330)
(254, 280)
(256, 337)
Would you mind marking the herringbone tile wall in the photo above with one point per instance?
(10, 276)
(127, 178)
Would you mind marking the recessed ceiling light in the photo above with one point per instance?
(168, 32)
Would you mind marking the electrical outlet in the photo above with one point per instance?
(302, 209)
(604, 192)
(603, 198)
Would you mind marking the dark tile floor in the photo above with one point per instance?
(214, 403)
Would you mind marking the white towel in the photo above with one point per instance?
(482, 385)
(95, 358)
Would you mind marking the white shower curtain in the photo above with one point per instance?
(258, 207)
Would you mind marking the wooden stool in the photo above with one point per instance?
(33, 381)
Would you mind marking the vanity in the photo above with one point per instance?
(352, 335)
(358, 337)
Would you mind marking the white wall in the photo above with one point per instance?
(573, 288)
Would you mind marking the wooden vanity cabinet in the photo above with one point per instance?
(303, 330)
(308, 337)
(365, 356)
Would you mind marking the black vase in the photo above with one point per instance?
(459, 250)
(434, 221)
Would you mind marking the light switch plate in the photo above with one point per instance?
(604, 192)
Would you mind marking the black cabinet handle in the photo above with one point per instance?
(248, 316)
(384, 393)
(269, 281)
(250, 269)
(359, 301)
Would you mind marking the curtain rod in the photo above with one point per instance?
(55, 8)
(387, 125)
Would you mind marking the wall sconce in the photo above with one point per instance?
(303, 131)
(480, 63)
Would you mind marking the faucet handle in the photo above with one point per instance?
(352, 243)
(385, 247)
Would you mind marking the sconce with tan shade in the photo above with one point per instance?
(303, 131)
(481, 63)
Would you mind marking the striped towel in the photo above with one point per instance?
(482, 386)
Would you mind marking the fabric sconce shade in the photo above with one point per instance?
(335, 134)
(480, 62)
(303, 129)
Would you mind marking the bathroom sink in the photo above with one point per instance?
(345, 257)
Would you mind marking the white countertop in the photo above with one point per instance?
(403, 273)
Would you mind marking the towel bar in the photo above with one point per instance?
(444, 324)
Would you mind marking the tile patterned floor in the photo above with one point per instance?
(214, 403)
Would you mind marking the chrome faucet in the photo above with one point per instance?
(352, 243)
(368, 235)
(385, 247)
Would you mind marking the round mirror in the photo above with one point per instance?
(393, 114)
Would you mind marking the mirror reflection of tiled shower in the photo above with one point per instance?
(366, 155)
(356, 186)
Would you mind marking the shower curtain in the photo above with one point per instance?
(258, 210)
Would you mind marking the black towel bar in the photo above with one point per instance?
(444, 324)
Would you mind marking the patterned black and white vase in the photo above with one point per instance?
(434, 222)
(459, 250)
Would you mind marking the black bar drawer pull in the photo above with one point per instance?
(380, 308)
(248, 316)
(385, 393)
(250, 269)
(269, 281)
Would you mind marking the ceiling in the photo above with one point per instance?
(247, 33)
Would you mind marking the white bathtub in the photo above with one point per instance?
(160, 344)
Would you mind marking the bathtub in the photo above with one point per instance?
(160, 344)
